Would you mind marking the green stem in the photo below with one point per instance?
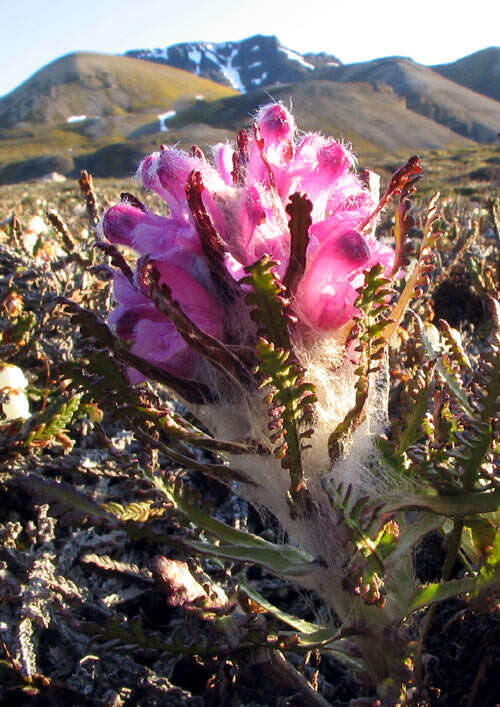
(451, 556)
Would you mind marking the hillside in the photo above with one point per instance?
(246, 65)
(444, 95)
(374, 118)
(103, 112)
(479, 71)
(94, 85)
(430, 94)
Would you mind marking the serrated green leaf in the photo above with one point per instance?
(52, 421)
(489, 574)
(454, 506)
(440, 591)
(65, 495)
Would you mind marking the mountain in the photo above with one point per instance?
(260, 61)
(84, 86)
(246, 65)
(479, 71)
(102, 112)
(427, 92)
(373, 117)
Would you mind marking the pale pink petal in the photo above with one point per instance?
(223, 158)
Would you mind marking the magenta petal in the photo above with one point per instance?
(352, 249)
(152, 335)
(326, 295)
(276, 126)
(223, 157)
(120, 222)
(325, 302)
(270, 161)
(334, 159)
(380, 253)
(148, 233)
(341, 252)
(123, 320)
(336, 305)
(193, 298)
(125, 293)
(161, 344)
(234, 267)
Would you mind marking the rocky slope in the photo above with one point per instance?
(427, 92)
(479, 71)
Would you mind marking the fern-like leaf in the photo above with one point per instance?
(419, 279)
(53, 421)
(291, 399)
(369, 332)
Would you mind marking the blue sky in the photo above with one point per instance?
(34, 32)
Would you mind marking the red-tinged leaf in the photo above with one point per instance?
(299, 209)
(62, 229)
(211, 242)
(417, 278)
(403, 176)
(403, 223)
(402, 180)
(87, 188)
(218, 472)
(175, 428)
(259, 141)
(240, 158)
(196, 151)
(117, 258)
(128, 198)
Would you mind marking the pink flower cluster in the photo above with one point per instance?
(244, 198)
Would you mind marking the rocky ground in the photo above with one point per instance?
(84, 617)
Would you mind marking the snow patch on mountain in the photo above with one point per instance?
(195, 56)
(296, 57)
(260, 80)
(233, 74)
(163, 117)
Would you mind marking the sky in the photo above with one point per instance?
(35, 32)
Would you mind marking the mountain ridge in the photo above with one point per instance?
(466, 109)
(475, 71)
(245, 65)
(427, 92)
(102, 112)
(94, 84)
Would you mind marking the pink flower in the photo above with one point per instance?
(148, 233)
(339, 249)
(151, 334)
(327, 293)
(167, 172)
(225, 217)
